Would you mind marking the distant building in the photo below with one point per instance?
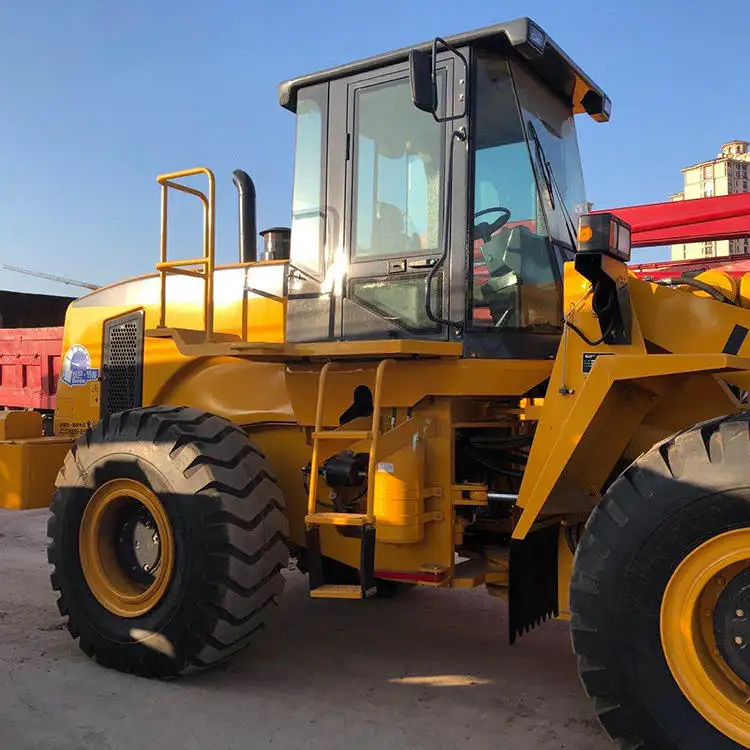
(728, 173)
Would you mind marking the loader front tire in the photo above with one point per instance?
(660, 594)
(167, 540)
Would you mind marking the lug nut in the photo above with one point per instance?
(147, 567)
(738, 640)
(155, 538)
(740, 613)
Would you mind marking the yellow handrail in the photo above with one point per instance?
(207, 262)
(374, 437)
(373, 458)
(319, 412)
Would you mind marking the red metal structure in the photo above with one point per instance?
(703, 219)
(29, 367)
(699, 220)
(30, 349)
(735, 266)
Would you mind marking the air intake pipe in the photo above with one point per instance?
(247, 224)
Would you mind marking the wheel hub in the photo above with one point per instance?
(126, 547)
(138, 545)
(732, 625)
(705, 631)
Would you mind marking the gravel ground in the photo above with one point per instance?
(429, 669)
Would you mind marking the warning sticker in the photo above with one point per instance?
(588, 359)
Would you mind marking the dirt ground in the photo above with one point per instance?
(430, 669)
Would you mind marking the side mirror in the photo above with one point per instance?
(422, 80)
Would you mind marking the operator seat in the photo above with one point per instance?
(388, 235)
(515, 257)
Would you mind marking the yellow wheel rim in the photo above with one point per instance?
(687, 633)
(125, 586)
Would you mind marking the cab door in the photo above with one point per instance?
(395, 188)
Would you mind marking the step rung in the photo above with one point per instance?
(337, 591)
(343, 435)
(337, 519)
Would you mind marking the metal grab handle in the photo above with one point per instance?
(207, 262)
(373, 458)
(319, 413)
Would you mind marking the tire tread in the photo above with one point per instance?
(639, 501)
(239, 507)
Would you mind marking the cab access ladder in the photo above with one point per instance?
(319, 588)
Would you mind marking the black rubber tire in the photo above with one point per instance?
(676, 496)
(229, 528)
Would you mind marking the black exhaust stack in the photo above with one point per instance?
(247, 230)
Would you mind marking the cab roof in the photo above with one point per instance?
(545, 59)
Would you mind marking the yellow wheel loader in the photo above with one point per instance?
(441, 374)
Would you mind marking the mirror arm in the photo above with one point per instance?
(465, 62)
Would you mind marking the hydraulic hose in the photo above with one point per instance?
(717, 294)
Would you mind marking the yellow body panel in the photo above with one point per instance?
(28, 468)
(410, 381)
(193, 343)
(630, 398)
(20, 424)
(400, 494)
(168, 374)
(229, 386)
(596, 424)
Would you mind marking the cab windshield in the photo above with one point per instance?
(528, 189)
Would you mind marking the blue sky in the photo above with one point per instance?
(96, 98)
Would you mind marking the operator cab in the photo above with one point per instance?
(436, 193)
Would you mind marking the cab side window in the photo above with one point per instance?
(398, 186)
(309, 198)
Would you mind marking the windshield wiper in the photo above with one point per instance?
(550, 183)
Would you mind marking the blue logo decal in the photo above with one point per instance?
(76, 367)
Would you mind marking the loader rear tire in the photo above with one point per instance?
(198, 496)
(654, 658)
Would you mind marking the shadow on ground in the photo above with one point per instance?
(427, 669)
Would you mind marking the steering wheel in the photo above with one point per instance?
(485, 229)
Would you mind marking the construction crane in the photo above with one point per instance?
(52, 277)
